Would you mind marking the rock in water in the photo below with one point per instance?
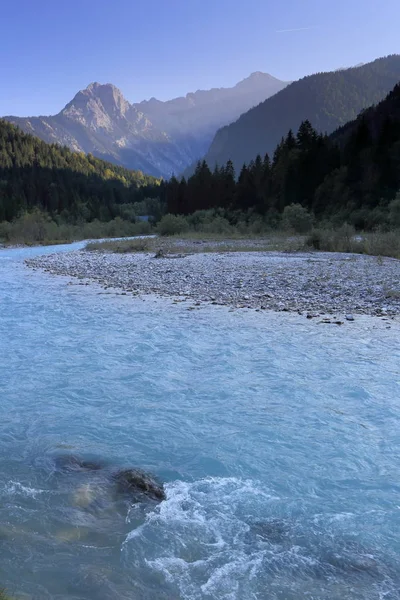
(69, 462)
(273, 531)
(136, 484)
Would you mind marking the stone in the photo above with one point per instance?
(160, 253)
(349, 317)
(71, 463)
(138, 484)
(273, 531)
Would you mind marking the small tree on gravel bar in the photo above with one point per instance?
(296, 218)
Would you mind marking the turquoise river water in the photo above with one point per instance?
(278, 441)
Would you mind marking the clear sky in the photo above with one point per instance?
(50, 49)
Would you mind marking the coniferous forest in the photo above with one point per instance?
(62, 183)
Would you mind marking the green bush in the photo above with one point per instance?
(345, 239)
(218, 225)
(172, 225)
(5, 232)
(394, 212)
(383, 243)
(315, 239)
(38, 228)
(296, 218)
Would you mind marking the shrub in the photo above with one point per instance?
(218, 225)
(172, 225)
(31, 227)
(315, 239)
(296, 218)
(5, 232)
(394, 212)
(343, 239)
(384, 244)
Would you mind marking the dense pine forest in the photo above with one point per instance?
(351, 176)
(69, 185)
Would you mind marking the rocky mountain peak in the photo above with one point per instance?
(257, 80)
(97, 105)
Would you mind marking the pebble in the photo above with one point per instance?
(310, 283)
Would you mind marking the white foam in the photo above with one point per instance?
(14, 488)
(196, 538)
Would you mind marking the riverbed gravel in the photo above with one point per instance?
(315, 284)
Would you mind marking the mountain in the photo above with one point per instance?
(197, 116)
(328, 100)
(34, 174)
(156, 137)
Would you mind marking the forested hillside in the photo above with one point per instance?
(74, 186)
(350, 176)
(327, 100)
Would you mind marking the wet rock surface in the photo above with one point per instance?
(311, 283)
(136, 483)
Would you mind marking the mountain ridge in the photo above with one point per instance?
(159, 137)
(328, 99)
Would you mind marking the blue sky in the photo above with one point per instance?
(164, 48)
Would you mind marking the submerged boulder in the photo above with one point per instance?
(354, 563)
(69, 462)
(136, 484)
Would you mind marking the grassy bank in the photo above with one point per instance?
(340, 240)
(196, 243)
(206, 231)
(345, 239)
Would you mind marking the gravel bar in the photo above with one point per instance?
(313, 283)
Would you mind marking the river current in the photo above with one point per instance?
(278, 441)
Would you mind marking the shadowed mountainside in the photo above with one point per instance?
(327, 100)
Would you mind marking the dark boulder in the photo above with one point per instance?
(137, 484)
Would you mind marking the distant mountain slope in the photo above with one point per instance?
(328, 100)
(159, 138)
(200, 114)
(55, 179)
(384, 115)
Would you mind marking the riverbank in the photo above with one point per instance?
(313, 283)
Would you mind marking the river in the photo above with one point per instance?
(278, 441)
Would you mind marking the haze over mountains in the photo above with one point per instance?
(159, 138)
(328, 100)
